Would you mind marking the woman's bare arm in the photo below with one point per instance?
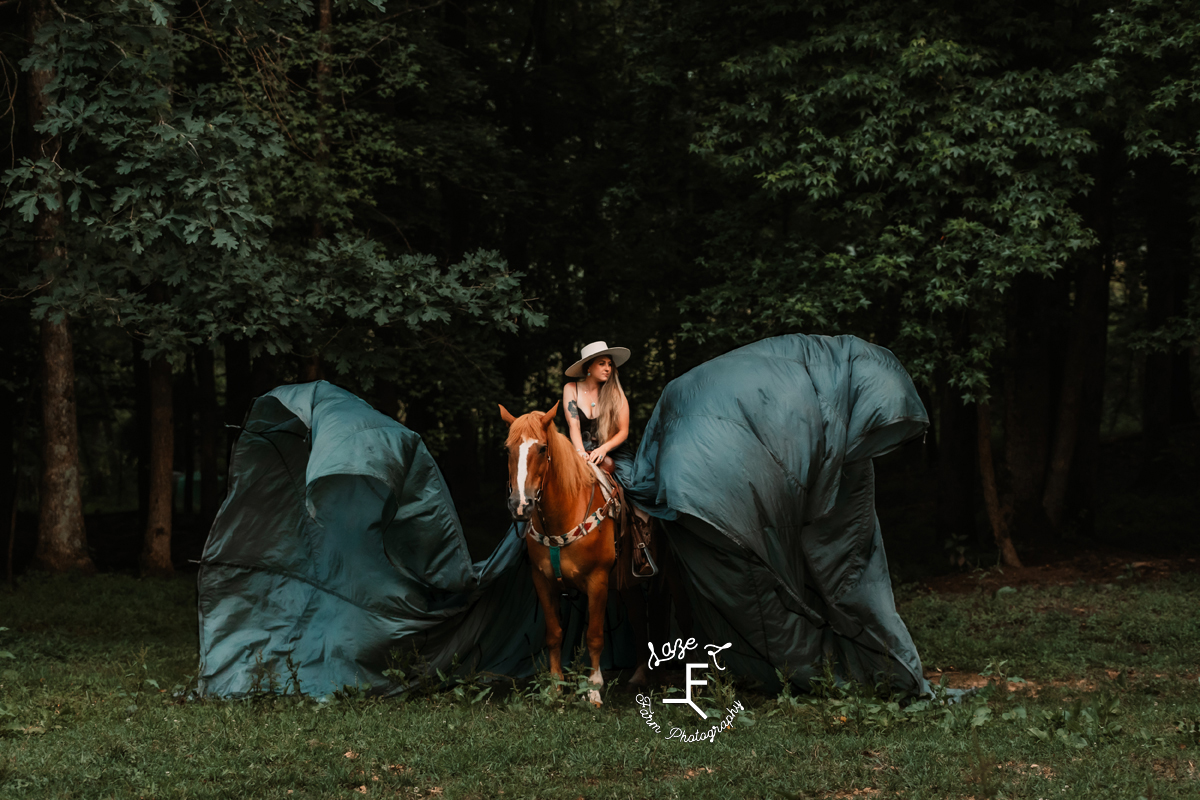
(569, 397)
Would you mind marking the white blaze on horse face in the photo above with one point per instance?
(523, 470)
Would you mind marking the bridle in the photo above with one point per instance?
(537, 497)
(578, 530)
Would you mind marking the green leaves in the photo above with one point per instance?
(174, 181)
(223, 239)
(1081, 723)
(158, 12)
(926, 171)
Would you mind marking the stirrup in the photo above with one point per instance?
(649, 560)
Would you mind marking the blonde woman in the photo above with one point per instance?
(597, 411)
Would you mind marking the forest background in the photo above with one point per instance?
(436, 204)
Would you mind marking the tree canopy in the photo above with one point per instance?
(436, 204)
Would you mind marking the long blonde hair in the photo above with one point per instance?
(608, 404)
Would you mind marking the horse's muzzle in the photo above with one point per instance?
(521, 512)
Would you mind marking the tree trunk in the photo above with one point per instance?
(238, 373)
(185, 436)
(1167, 382)
(461, 463)
(141, 429)
(210, 436)
(9, 572)
(387, 398)
(156, 547)
(1028, 377)
(957, 465)
(18, 481)
(929, 446)
(8, 422)
(62, 543)
(312, 369)
(324, 71)
(991, 495)
(264, 375)
(1084, 495)
(1183, 406)
(1087, 335)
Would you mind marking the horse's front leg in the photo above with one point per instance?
(597, 601)
(548, 597)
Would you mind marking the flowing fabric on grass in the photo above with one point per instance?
(339, 545)
(760, 462)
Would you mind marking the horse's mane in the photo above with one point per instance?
(570, 472)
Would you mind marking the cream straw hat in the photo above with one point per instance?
(594, 350)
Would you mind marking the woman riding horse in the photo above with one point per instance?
(597, 410)
(556, 492)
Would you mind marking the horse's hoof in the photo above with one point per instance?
(639, 676)
(594, 698)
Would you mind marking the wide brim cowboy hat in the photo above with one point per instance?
(594, 350)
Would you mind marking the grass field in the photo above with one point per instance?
(1109, 707)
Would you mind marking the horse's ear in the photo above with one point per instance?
(508, 418)
(548, 417)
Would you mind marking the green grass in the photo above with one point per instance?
(1110, 711)
(1060, 631)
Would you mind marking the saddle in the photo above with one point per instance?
(637, 554)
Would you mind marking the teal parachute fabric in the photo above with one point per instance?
(760, 461)
(338, 543)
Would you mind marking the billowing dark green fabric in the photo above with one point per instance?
(760, 460)
(339, 544)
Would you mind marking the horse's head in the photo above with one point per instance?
(528, 458)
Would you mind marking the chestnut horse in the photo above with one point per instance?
(556, 492)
